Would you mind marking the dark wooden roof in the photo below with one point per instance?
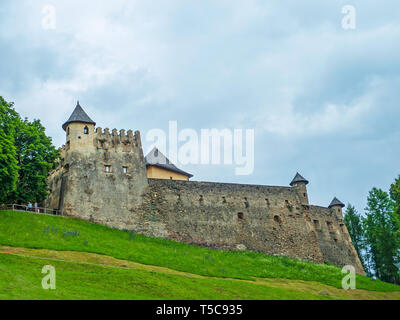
(156, 158)
(79, 115)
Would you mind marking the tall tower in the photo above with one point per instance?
(102, 174)
(300, 183)
(80, 133)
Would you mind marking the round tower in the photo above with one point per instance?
(79, 130)
(300, 183)
(337, 206)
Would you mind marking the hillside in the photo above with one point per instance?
(97, 262)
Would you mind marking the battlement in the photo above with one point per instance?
(126, 140)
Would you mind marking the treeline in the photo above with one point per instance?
(376, 234)
(26, 157)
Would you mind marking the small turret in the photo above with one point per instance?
(337, 206)
(300, 183)
(80, 130)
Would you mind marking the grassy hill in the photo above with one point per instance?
(97, 262)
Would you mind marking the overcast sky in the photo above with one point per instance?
(322, 100)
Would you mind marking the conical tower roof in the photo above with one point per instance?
(79, 115)
(336, 202)
(298, 178)
(156, 158)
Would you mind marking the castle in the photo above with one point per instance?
(102, 177)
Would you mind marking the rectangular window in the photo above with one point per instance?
(125, 170)
(107, 168)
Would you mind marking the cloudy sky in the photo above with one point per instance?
(322, 100)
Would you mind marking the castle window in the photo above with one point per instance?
(223, 200)
(240, 216)
(125, 169)
(329, 224)
(316, 224)
(86, 130)
(107, 169)
(278, 219)
(68, 131)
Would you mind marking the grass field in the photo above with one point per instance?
(97, 262)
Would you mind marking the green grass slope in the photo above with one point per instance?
(27, 230)
(21, 279)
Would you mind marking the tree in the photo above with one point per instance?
(395, 194)
(36, 157)
(353, 222)
(8, 161)
(382, 228)
(26, 157)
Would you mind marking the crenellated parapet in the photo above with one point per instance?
(126, 140)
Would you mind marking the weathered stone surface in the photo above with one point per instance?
(269, 219)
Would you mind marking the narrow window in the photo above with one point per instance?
(329, 224)
(68, 131)
(278, 219)
(86, 130)
(107, 169)
(223, 200)
(125, 169)
(240, 216)
(317, 225)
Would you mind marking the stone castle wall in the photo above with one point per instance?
(269, 219)
(82, 188)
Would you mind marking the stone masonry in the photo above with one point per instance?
(102, 178)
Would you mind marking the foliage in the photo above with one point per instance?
(27, 155)
(382, 229)
(8, 161)
(395, 195)
(353, 222)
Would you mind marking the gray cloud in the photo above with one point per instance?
(322, 100)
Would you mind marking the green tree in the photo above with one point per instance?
(395, 194)
(8, 161)
(36, 157)
(381, 226)
(353, 222)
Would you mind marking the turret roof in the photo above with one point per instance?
(78, 115)
(336, 202)
(298, 178)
